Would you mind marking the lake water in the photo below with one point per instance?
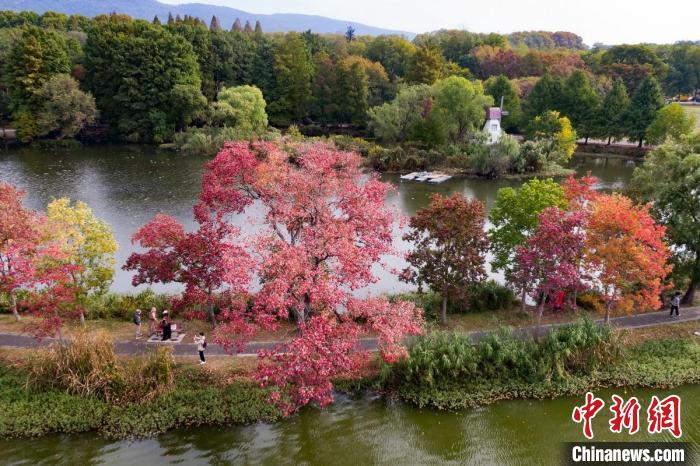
(127, 185)
(366, 431)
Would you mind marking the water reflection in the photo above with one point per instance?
(365, 431)
(127, 185)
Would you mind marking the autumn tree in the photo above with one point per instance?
(393, 52)
(625, 254)
(88, 248)
(208, 261)
(425, 66)
(670, 181)
(20, 235)
(550, 259)
(515, 217)
(323, 227)
(557, 136)
(450, 246)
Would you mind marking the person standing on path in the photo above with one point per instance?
(676, 304)
(201, 342)
(166, 325)
(153, 321)
(137, 322)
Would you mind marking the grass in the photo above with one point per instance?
(693, 110)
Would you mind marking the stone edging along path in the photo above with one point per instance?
(135, 347)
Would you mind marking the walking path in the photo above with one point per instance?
(138, 347)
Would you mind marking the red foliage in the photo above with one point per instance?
(324, 227)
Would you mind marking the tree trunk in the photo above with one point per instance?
(607, 313)
(585, 141)
(443, 310)
(609, 140)
(540, 311)
(82, 318)
(689, 297)
(641, 141)
(212, 316)
(15, 311)
(522, 301)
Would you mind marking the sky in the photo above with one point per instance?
(607, 21)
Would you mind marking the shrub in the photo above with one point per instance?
(449, 359)
(490, 296)
(88, 366)
(122, 306)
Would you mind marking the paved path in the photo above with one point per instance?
(138, 347)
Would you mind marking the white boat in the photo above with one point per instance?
(411, 176)
(440, 178)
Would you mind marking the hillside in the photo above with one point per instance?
(147, 9)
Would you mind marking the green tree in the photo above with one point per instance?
(426, 66)
(397, 120)
(672, 121)
(581, 104)
(293, 75)
(246, 107)
(200, 39)
(66, 109)
(36, 56)
(646, 101)
(546, 94)
(556, 135)
(324, 88)
(460, 104)
(234, 55)
(500, 87)
(353, 92)
(612, 113)
(393, 52)
(670, 181)
(135, 71)
(515, 216)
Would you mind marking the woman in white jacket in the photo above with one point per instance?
(201, 342)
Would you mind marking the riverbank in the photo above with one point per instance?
(223, 393)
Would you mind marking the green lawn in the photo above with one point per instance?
(694, 110)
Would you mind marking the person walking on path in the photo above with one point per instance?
(137, 322)
(201, 342)
(676, 304)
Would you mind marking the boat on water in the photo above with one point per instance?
(430, 177)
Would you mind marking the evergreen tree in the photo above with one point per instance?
(236, 26)
(502, 87)
(353, 93)
(546, 95)
(580, 104)
(247, 29)
(215, 25)
(199, 36)
(646, 101)
(258, 28)
(611, 123)
(350, 34)
(324, 88)
(293, 73)
(156, 20)
(171, 20)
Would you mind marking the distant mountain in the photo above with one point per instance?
(147, 9)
